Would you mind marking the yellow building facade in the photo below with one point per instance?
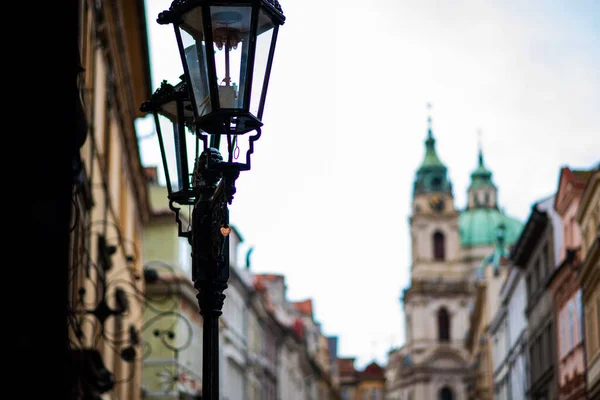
(110, 204)
(588, 218)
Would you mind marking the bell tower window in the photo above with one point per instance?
(438, 246)
(443, 325)
(446, 393)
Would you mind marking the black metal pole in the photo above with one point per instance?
(210, 298)
(210, 254)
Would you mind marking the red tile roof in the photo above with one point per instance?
(346, 366)
(259, 283)
(372, 372)
(271, 277)
(305, 307)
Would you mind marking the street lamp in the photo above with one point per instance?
(226, 49)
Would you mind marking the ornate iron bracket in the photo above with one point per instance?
(180, 232)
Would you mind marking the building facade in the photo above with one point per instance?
(110, 201)
(304, 355)
(508, 332)
(270, 348)
(538, 253)
(566, 291)
(588, 218)
(371, 385)
(366, 384)
(238, 338)
(348, 378)
(448, 245)
(484, 305)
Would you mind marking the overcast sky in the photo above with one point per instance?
(328, 198)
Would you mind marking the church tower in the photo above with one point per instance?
(433, 362)
(482, 192)
(448, 246)
(434, 221)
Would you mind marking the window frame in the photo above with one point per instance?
(444, 325)
(439, 245)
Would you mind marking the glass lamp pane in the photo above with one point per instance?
(169, 110)
(181, 156)
(231, 32)
(192, 36)
(167, 128)
(263, 44)
(188, 112)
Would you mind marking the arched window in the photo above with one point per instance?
(443, 325)
(446, 393)
(439, 253)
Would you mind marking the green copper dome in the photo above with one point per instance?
(479, 227)
(500, 253)
(432, 175)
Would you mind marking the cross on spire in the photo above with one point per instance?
(479, 146)
(429, 133)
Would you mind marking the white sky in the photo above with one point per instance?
(328, 197)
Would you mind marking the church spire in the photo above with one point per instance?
(432, 173)
(482, 191)
(431, 157)
(481, 176)
(480, 147)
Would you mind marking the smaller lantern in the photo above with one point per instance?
(226, 48)
(173, 103)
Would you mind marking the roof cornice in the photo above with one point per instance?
(535, 225)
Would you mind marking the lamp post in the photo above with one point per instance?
(226, 49)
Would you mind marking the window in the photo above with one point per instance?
(579, 319)
(443, 325)
(374, 394)
(438, 246)
(436, 182)
(571, 315)
(546, 264)
(446, 393)
(563, 333)
(533, 363)
(540, 272)
(486, 199)
(590, 340)
(345, 394)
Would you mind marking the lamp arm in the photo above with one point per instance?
(180, 231)
(250, 150)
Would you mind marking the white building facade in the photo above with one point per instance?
(509, 334)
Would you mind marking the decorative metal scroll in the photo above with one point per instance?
(115, 295)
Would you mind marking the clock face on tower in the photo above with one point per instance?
(436, 202)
